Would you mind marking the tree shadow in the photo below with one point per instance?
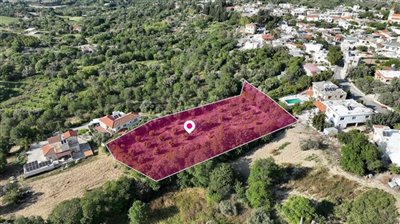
(27, 198)
(163, 213)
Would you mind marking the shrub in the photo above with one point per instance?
(394, 169)
(222, 180)
(318, 121)
(310, 144)
(263, 175)
(138, 213)
(228, 207)
(358, 155)
(259, 216)
(298, 207)
(67, 212)
(375, 207)
(13, 193)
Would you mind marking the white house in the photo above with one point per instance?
(340, 113)
(326, 90)
(118, 121)
(386, 76)
(251, 28)
(389, 141)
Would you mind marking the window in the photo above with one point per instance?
(367, 116)
(342, 118)
(353, 118)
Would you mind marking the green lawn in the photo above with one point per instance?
(7, 20)
(76, 19)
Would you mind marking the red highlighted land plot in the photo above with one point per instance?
(161, 147)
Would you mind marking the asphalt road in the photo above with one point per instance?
(355, 93)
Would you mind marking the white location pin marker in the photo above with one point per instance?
(189, 126)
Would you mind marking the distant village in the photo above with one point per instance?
(359, 43)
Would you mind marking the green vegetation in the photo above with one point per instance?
(138, 213)
(5, 20)
(374, 206)
(318, 121)
(222, 180)
(67, 212)
(296, 208)
(335, 55)
(358, 155)
(264, 174)
(363, 77)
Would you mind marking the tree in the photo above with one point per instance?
(114, 197)
(138, 213)
(13, 193)
(3, 161)
(318, 121)
(358, 155)
(374, 207)
(259, 216)
(263, 175)
(335, 55)
(228, 207)
(222, 180)
(298, 207)
(29, 220)
(67, 212)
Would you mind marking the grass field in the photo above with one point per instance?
(5, 20)
(76, 19)
(320, 184)
(190, 205)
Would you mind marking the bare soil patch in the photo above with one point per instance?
(53, 188)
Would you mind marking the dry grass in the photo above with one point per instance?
(321, 184)
(190, 206)
(53, 187)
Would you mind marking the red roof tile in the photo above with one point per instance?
(70, 133)
(320, 106)
(112, 122)
(47, 149)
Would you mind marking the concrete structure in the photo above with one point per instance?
(389, 141)
(386, 76)
(326, 90)
(118, 121)
(311, 69)
(340, 113)
(250, 28)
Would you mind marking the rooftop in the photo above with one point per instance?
(389, 73)
(347, 107)
(328, 88)
(118, 118)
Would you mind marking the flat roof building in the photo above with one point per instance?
(340, 113)
(389, 141)
(326, 90)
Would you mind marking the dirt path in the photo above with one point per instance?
(71, 183)
(291, 154)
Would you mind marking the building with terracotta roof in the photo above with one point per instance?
(118, 120)
(61, 146)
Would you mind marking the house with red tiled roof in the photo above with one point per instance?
(118, 121)
(61, 145)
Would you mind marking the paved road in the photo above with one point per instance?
(355, 93)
